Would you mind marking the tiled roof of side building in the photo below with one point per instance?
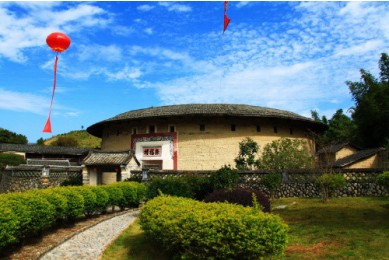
(353, 158)
(26, 148)
(205, 110)
(108, 158)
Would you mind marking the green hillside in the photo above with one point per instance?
(83, 138)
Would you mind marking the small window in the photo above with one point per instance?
(258, 128)
(291, 131)
(275, 129)
(134, 131)
(172, 129)
(151, 129)
(202, 128)
(233, 128)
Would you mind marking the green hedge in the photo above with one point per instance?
(198, 230)
(29, 213)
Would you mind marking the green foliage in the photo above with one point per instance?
(175, 186)
(225, 178)
(133, 194)
(329, 182)
(58, 200)
(272, 181)
(10, 159)
(83, 138)
(341, 128)
(9, 137)
(65, 141)
(40, 141)
(200, 185)
(286, 154)
(90, 205)
(102, 198)
(10, 224)
(244, 197)
(115, 195)
(370, 113)
(248, 150)
(75, 202)
(383, 179)
(198, 230)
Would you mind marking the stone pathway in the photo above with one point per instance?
(91, 243)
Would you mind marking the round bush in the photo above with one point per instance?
(200, 185)
(224, 178)
(174, 186)
(89, 199)
(115, 194)
(58, 200)
(198, 230)
(9, 224)
(383, 179)
(102, 198)
(75, 205)
(240, 196)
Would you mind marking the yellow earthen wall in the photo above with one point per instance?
(345, 151)
(210, 149)
(109, 177)
(371, 162)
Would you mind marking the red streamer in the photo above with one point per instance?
(47, 128)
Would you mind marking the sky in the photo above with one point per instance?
(294, 56)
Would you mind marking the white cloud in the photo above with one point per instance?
(149, 31)
(174, 7)
(242, 4)
(17, 33)
(145, 7)
(127, 73)
(97, 52)
(23, 102)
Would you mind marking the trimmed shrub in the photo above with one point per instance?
(383, 179)
(36, 213)
(199, 184)
(75, 205)
(115, 195)
(9, 224)
(129, 194)
(175, 186)
(240, 196)
(58, 200)
(225, 178)
(89, 196)
(102, 198)
(10, 159)
(198, 230)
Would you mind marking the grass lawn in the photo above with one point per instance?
(343, 228)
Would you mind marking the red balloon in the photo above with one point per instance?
(58, 42)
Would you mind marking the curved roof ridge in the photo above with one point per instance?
(209, 110)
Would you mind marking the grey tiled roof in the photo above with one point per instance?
(48, 162)
(333, 148)
(353, 158)
(204, 110)
(108, 158)
(26, 148)
(25, 167)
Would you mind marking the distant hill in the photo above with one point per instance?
(84, 139)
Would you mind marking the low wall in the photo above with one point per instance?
(32, 179)
(360, 182)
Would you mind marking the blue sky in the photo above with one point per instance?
(294, 56)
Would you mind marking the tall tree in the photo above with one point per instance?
(341, 128)
(371, 111)
(7, 136)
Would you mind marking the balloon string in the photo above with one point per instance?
(55, 82)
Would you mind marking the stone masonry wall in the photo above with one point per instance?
(360, 182)
(12, 181)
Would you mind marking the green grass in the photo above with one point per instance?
(343, 228)
(84, 139)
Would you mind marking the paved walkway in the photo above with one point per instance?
(91, 243)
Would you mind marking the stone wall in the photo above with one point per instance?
(12, 181)
(360, 182)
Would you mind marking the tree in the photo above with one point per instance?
(65, 141)
(286, 154)
(40, 141)
(248, 149)
(371, 111)
(7, 136)
(341, 128)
